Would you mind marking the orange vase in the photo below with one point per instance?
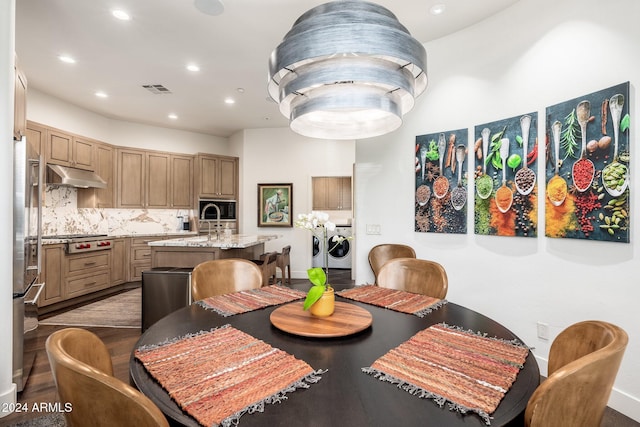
(325, 306)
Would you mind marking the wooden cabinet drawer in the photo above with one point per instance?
(142, 254)
(76, 264)
(84, 284)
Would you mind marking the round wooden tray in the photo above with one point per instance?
(347, 319)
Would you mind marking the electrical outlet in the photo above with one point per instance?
(373, 228)
(543, 331)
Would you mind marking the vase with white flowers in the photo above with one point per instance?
(320, 299)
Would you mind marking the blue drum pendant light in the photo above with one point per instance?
(347, 70)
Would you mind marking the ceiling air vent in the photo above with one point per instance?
(157, 89)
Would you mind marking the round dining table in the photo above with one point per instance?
(345, 396)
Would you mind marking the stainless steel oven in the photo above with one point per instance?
(228, 209)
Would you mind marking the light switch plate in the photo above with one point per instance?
(373, 228)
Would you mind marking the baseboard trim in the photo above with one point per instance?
(619, 401)
(8, 399)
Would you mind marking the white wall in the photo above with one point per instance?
(282, 156)
(50, 111)
(535, 54)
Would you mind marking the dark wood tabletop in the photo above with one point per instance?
(345, 396)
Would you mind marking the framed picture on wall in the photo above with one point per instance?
(274, 205)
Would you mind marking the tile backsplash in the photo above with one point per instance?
(61, 216)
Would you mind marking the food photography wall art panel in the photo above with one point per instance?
(441, 182)
(588, 165)
(506, 186)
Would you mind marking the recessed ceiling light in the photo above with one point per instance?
(101, 94)
(209, 7)
(193, 67)
(229, 101)
(240, 90)
(121, 15)
(67, 59)
(437, 9)
(173, 116)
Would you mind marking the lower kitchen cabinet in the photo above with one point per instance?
(86, 273)
(119, 262)
(140, 253)
(52, 261)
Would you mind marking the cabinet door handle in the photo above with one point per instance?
(90, 283)
(88, 264)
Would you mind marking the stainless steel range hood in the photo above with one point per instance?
(63, 175)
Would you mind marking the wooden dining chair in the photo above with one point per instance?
(380, 254)
(224, 276)
(583, 364)
(284, 263)
(267, 264)
(83, 375)
(419, 276)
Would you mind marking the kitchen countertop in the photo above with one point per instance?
(54, 240)
(202, 241)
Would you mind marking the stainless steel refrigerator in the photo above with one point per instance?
(27, 226)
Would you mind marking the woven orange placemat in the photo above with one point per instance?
(253, 299)
(219, 375)
(394, 299)
(470, 371)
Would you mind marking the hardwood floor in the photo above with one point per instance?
(40, 387)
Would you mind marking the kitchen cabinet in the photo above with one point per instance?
(158, 178)
(19, 103)
(51, 274)
(332, 193)
(119, 261)
(131, 175)
(216, 176)
(140, 255)
(86, 273)
(154, 180)
(36, 135)
(181, 182)
(105, 168)
(66, 149)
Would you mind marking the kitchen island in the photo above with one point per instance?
(191, 251)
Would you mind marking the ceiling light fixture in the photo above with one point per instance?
(437, 9)
(347, 70)
(229, 101)
(101, 94)
(173, 116)
(209, 7)
(193, 67)
(121, 15)
(67, 59)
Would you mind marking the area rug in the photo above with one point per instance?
(447, 364)
(119, 311)
(254, 299)
(219, 375)
(394, 299)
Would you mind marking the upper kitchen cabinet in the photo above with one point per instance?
(181, 181)
(153, 180)
(36, 135)
(66, 149)
(216, 176)
(332, 193)
(131, 178)
(19, 103)
(104, 161)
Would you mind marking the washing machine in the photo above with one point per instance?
(340, 255)
(317, 249)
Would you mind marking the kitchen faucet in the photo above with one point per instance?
(202, 215)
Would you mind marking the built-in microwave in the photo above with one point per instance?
(227, 208)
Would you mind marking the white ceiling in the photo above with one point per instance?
(154, 47)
